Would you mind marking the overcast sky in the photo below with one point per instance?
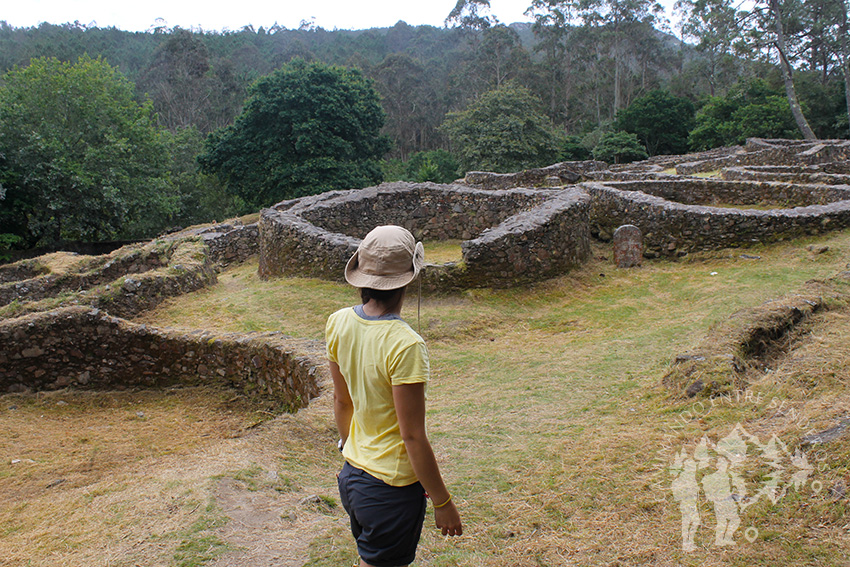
(143, 15)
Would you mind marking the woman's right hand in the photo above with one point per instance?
(447, 519)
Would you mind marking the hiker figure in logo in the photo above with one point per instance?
(718, 490)
(685, 491)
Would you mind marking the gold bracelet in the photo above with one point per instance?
(449, 499)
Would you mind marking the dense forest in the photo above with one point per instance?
(606, 79)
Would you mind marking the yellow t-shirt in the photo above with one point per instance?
(374, 356)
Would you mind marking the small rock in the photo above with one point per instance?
(828, 435)
(817, 249)
(694, 388)
(61, 403)
(140, 414)
(56, 482)
(713, 274)
(31, 352)
(312, 499)
(750, 257)
(62, 381)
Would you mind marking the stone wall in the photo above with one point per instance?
(521, 235)
(291, 246)
(22, 270)
(759, 151)
(675, 229)
(557, 175)
(712, 192)
(786, 174)
(86, 348)
(545, 242)
(428, 210)
(188, 268)
(88, 273)
(228, 242)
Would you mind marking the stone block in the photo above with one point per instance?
(628, 246)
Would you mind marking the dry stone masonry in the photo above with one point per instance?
(676, 217)
(63, 330)
(228, 243)
(87, 348)
(510, 236)
(125, 283)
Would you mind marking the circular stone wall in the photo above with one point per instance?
(676, 217)
(510, 236)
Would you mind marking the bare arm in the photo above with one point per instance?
(409, 400)
(343, 406)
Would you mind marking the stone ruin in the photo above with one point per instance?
(509, 236)
(70, 330)
(535, 224)
(515, 229)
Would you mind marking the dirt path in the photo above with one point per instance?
(267, 528)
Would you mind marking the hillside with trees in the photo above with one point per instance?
(581, 74)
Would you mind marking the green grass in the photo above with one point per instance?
(546, 410)
(707, 174)
(198, 545)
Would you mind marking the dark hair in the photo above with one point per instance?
(389, 298)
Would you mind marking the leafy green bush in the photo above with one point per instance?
(305, 129)
(438, 166)
(503, 131)
(7, 242)
(572, 148)
(80, 158)
(751, 109)
(660, 120)
(619, 147)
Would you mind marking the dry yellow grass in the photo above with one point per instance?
(62, 262)
(440, 252)
(545, 411)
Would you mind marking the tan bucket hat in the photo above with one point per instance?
(387, 258)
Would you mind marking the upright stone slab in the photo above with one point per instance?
(628, 246)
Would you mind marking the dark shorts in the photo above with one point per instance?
(386, 520)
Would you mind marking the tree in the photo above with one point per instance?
(713, 24)
(438, 166)
(406, 95)
(502, 131)
(501, 54)
(619, 147)
(306, 128)
(552, 29)
(787, 70)
(766, 28)
(81, 159)
(624, 22)
(200, 197)
(750, 109)
(660, 120)
(187, 89)
(471, 15)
